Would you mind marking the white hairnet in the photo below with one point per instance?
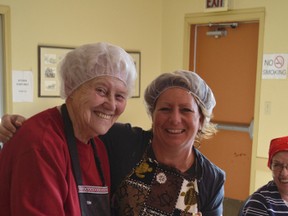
(184, 79)
(93, 60)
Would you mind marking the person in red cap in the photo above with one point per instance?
(272, 198)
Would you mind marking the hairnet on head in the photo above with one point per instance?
(189, 80)
(94, 60)
(277, 145)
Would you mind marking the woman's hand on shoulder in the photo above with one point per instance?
(9, 125)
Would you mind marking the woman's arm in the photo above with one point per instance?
(9, 125)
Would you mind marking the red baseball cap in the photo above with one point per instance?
(277, 145)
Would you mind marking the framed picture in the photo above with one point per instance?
(48, 77)
(137, 60)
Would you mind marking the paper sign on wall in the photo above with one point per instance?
(22, 86)
(274, 66)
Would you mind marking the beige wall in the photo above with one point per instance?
(133, 25)
(156, 28)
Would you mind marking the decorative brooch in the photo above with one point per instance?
(161, 178)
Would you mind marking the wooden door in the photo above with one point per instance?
(228, 64)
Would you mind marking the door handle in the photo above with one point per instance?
(234, 127)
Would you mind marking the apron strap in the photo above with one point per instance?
(71, 142)
(98, 163)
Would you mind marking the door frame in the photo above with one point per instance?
(6, 44)
(245, 15)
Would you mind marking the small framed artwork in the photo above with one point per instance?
(48, 77)
(137, 60)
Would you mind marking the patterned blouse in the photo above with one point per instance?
(156, 189)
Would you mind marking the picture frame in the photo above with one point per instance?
(136, 55)
(48, 77)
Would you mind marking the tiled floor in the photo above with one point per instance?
(232, 206)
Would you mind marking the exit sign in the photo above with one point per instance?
(216, 5)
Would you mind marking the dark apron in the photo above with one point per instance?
(94, 200)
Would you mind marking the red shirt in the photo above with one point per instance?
(35, 169)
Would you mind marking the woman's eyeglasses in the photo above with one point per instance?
(278, 167)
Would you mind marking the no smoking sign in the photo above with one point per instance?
(274, 66)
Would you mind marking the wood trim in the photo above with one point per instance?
(254, 14)
(7, 78)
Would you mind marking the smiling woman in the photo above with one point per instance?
(175, 125)
(161, 167)
(173, 177)
(58, 149)
(272, 198)
(96, 106)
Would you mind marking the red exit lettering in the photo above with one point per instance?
(214, 3)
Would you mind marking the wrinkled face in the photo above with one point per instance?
(97, 104)
(280, 173)
(176, 119)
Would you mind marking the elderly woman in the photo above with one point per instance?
(180, 104)
(173, 177)
(55, 164)
(272, 198)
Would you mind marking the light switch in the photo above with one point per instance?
(267, 107)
